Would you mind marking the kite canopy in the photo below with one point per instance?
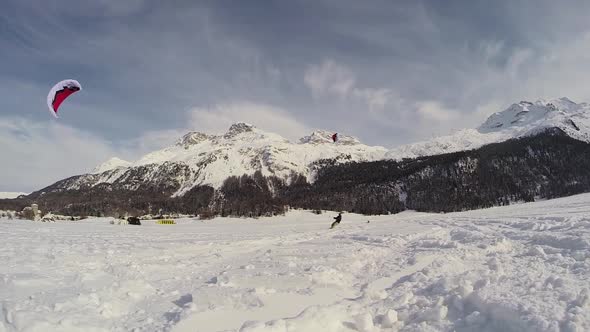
(335, 137)
(60, 92)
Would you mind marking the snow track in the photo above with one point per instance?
(519, 268)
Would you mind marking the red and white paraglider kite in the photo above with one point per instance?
(59, 93)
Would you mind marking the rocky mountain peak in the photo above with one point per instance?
(325, 137)
(239, 128)
(192, 138)
(539, 114)
(111, 164)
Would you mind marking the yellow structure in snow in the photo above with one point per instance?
(166, 222)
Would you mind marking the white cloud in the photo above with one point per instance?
(491, 49)
(217, 119)
(434, 112)
(560, 71)
(376, 99)
(98, 8)
(150, 141)
(35, 154)
(517, 60)
(333, 79)
(329, 78)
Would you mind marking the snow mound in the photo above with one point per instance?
(513, 268)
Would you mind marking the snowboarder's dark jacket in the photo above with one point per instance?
(338, 218)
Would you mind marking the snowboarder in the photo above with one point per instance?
(337, 220)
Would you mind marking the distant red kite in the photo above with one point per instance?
(60, 92)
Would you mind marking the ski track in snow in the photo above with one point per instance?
(518, 268)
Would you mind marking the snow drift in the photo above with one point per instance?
(517, 268)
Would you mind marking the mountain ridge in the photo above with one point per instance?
(549, 164)
(201, 164)
(518, 120)
(243, 149)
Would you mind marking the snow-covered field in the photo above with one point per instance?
(519, 268)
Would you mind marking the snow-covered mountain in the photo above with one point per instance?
(201, 159)
(244, 149)
(111, 164)
(549, 159)
(520, 119)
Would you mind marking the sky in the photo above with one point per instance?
(387, 72)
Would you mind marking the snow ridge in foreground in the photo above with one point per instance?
(518, 268)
